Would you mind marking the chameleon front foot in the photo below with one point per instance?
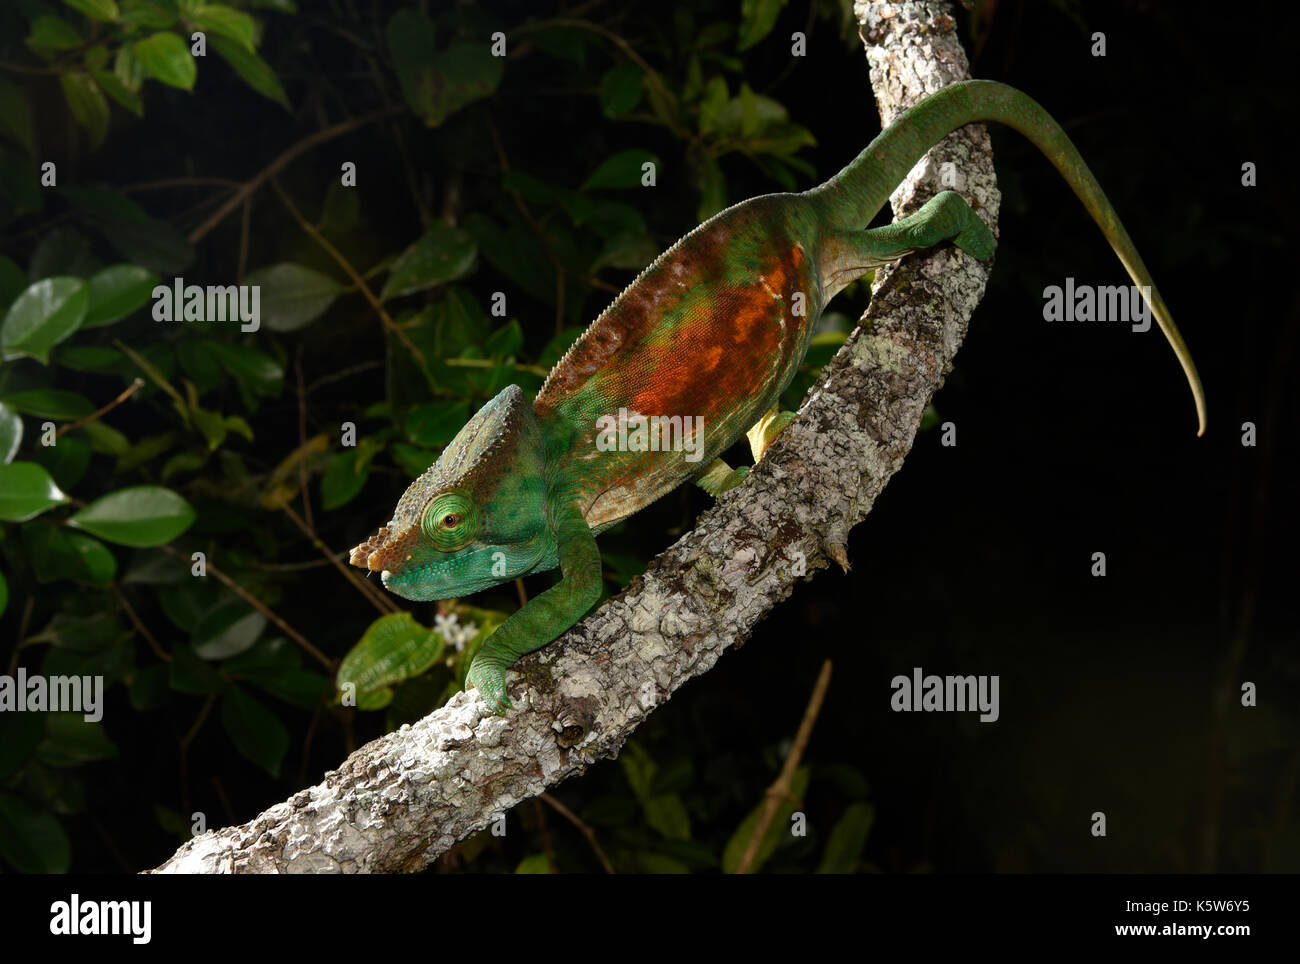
(719, 477)
(766, 429)
(489, 678)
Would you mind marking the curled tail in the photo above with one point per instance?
(856, 194)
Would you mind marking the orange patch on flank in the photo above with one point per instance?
(720, 357)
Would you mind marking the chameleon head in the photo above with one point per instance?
(476, 518)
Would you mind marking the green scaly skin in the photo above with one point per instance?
(712, 328)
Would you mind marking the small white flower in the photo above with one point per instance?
(456, 635)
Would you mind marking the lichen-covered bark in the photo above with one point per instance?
(400, 801)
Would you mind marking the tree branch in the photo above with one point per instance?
(399, 802)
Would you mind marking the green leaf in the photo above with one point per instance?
(292, 296)
(410, 38)
(534, 864)
(16, 117)
(563, 43)
(394, 648)
(631, 252)
(620, 171)
(31, 840)
(515, 252)
(757, 18)
(251, 68)
(20, 192)
(649, 862)
(255, 370)
(12, 279)
(26, 490)
(57, 553)
(165, 57)
(20, 734)
(49, 403)
(47, 312)
(413, 460)
(105, 439)
(778, 830)
(436, 423)
(639, 769)
(81, 633)
(443, 254)
(148, 14)
(224, 21)
(557, 346)
(116, 292)
(462, 74)
(228, 629)
(716, 97)
(96, 9)
(255, 730)
(749, 113)
(66, 461)
(71, 740)
(94, 358)
(620, 89)
(11, 433)
(667, 815)
(345, 476)
(50, 35)
(140, 516)
(112, 85)
(149, 689)
(127, 69)
(506, 340)
(269, 656)
(87, 103)
(847, 840)
(191, 675)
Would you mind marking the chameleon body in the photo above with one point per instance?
(709, 329)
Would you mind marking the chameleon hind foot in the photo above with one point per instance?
(719, 477)
(766, 429)
(489, 678)
(945, 216)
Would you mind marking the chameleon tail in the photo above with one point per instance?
(854, 196)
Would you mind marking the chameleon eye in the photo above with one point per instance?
(450, 521)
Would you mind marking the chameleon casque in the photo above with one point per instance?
(706, 330)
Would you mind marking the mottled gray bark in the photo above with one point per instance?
(400, 801)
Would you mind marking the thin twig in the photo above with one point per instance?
(547, 848)
(179, 182)
(536, 228)
(280, 163)
(261, 607)
(780, 790)
(136, 384)
(583, 828)
(352, 273)
(22, 634)
(293, 566)
(377, 599)
(143, 630)
(302, 440)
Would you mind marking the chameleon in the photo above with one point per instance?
(712, 328)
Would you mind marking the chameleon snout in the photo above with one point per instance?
(387, 550)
